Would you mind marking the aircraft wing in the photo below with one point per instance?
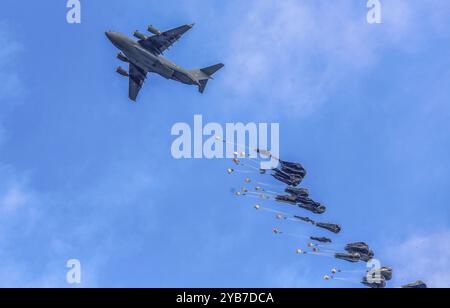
(137, 78)
(160, 43)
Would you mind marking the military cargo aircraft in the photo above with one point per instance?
(146, 56)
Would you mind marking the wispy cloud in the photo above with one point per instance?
(296, 54)
(12, 194)
(10, 83)
(66, 226)
(425, 257)
(13, 198)
(27, 216)
(57, 224)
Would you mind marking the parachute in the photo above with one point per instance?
(299, 198)
(330, 227)
(361, 248)
(298, 192)
(321, 239)
(415, 285)
(349, 257)
(386, 272)
(327, 226)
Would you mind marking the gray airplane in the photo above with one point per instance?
(146, 56)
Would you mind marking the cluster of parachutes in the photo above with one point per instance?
(292, 175)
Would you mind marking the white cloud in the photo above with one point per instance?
(18, 203)
(296, 54)
(10, 84)
(423, 257)
(14, 191)
(62, 223)
(21, 212)
(13, 198)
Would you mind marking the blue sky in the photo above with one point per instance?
(85, 174)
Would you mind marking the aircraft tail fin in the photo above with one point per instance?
(205, 74)
(202, 86)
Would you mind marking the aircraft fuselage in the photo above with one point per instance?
(148, 61)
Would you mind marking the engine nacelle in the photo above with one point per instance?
(139, 35)
(153, 30)
(122, 57)
(122, 72)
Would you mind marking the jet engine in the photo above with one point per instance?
(122, 57)
(122, 72)
(139, 35)
(153, 30)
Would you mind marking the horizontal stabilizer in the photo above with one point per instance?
(212, 69)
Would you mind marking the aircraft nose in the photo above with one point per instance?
(109, 35)
(114, 37)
